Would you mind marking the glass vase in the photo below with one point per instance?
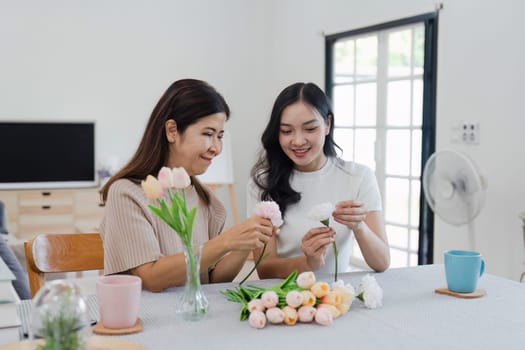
(192, 305)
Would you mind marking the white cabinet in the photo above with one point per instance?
(52, 211)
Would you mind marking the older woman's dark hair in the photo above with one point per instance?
(185, 101)
(272, 171)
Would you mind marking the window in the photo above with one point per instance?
(382, 83)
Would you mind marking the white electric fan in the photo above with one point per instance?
(454, 189)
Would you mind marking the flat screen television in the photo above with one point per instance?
(47, 155)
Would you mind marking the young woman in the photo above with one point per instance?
(185, 130)
(299, 169)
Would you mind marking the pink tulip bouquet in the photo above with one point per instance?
(177, 215)
(300, 298)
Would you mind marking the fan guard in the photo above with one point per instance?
(453, 187)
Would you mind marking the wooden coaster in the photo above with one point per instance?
(93, 343)
(100, 329)
(475, 294)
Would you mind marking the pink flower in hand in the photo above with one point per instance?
(323, 317)
(269, 299)
(275, 315)
(306, 314)
(269, 210)
(255, 305)
(257, 319)
(306, 279)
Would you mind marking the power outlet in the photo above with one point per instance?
(470, 133)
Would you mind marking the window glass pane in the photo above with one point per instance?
(365, 140)
(414, 203)
(417, 102)
(398, 152)
(414, 240)
(399, 53)
(398, 103)
(419, 48)
(396, 201)
(344, 61)
(366, 101)
(366, 58)
(398, 258)
(397, 236)
(412, 259)
(344, 105)
(345, 139)
(416, 152)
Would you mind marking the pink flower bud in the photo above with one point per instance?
(152, 187)
(306, 279)
(332, 298)
(269, 299)
(275, 315)
(257, 319)
(290, 315)
(320, 289)
(306, 314)
(323, 317)
(255, 305)
(343, 308)
(330, 308)
(294, 299)
(165, 178)
(308, 298)
(181, 179)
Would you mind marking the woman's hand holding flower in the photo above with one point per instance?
(315, 244)
(248, 235)
(351, 214)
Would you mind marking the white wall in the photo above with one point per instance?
(110, 61)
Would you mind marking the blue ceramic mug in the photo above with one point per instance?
(463, 268)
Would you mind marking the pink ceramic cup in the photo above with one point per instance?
(118, 300)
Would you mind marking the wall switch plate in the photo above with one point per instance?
(470, 133)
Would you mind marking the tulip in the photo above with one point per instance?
(269, 299)
(255, 305)
(343, 308)
(152, 187)
(257, 319)
(294, 298)
(275, 315)
(181, 179)
(306, 279)
(308, 298)
(332, 298)
(323, 317)
(320, 289)
(165, 178)
(290, 315)
(331, 308)
(306, 314)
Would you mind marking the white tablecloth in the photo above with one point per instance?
(412, 317)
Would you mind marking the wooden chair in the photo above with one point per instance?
(63, 252)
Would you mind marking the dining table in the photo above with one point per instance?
(412, 316)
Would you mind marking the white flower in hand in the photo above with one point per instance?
(322, 212)
(370, 292)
